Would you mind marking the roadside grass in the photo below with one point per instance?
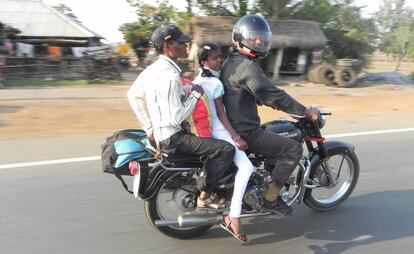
(58, 83)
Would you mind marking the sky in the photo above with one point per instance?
(106, 16)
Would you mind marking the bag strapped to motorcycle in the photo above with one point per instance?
(122, 147)
(119, 177)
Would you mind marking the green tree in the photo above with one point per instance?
(322, 11)
(270, 9)
(273, 10)
(396, 24)
(343, 46)
(138, 33)
(236, 8)
(349, 34)
(388, 16)
(340, 15)
(348, 18)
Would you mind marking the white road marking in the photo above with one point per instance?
(366, 133)
(362, 238)
(48, 162)
(94, 158)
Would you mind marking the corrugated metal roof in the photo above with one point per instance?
(35, 19)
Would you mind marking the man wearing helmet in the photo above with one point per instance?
(245, 86)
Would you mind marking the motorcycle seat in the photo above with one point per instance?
(183, 160)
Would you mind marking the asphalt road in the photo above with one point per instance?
(74, 208)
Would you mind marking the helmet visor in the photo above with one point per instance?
(258, 41)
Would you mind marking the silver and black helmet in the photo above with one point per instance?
(252, 36)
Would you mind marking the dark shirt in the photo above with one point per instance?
(246, 85)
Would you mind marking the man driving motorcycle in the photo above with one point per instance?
(245, 86)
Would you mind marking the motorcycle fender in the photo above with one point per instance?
(330, 145)
(150, 181)
(154, 180)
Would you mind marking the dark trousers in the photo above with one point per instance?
(283, 152)
(218, 154)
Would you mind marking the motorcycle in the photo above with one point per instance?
(323, 179)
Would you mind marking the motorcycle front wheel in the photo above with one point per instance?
(170, 202)
(344, 165)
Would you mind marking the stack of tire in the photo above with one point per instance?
(343, 74)
(346, 72)
(322, 73)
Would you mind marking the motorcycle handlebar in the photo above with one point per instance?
(314, 117)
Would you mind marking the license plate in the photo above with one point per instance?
(137, 177)
(135, 188)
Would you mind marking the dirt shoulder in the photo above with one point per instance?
(48, 112)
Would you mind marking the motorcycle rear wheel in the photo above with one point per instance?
(157, 209)
(345, 166)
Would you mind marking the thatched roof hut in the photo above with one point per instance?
(286, 33)
(292, 41)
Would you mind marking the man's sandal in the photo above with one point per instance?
(212, 202)
(227, 226)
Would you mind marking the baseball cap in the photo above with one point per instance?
(165, 33)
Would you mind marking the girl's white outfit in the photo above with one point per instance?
(214, 89)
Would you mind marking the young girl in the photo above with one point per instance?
(210, 60)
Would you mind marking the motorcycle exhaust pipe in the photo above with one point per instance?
(191, 220)
(255, 214)
(195, 220)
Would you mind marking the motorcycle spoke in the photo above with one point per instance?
(317, 184)
(340, 167)
(325, 193)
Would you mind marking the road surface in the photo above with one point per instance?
(74, 208)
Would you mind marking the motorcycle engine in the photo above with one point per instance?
(254, 193)
(185, 201)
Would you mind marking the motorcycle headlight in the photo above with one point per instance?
(321, 118)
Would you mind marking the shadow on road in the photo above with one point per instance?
(9, 109)
(361, 220)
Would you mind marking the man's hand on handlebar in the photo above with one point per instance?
(311, 114)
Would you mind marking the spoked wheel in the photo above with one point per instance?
(170, 202)
(345, 168)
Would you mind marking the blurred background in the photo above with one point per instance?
(66, 66)
(333, 42)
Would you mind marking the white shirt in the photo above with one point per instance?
(159, 100)
(213, 88)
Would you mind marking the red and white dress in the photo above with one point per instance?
(205, 123)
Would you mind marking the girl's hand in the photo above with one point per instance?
(241, 144)
(186, 126)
